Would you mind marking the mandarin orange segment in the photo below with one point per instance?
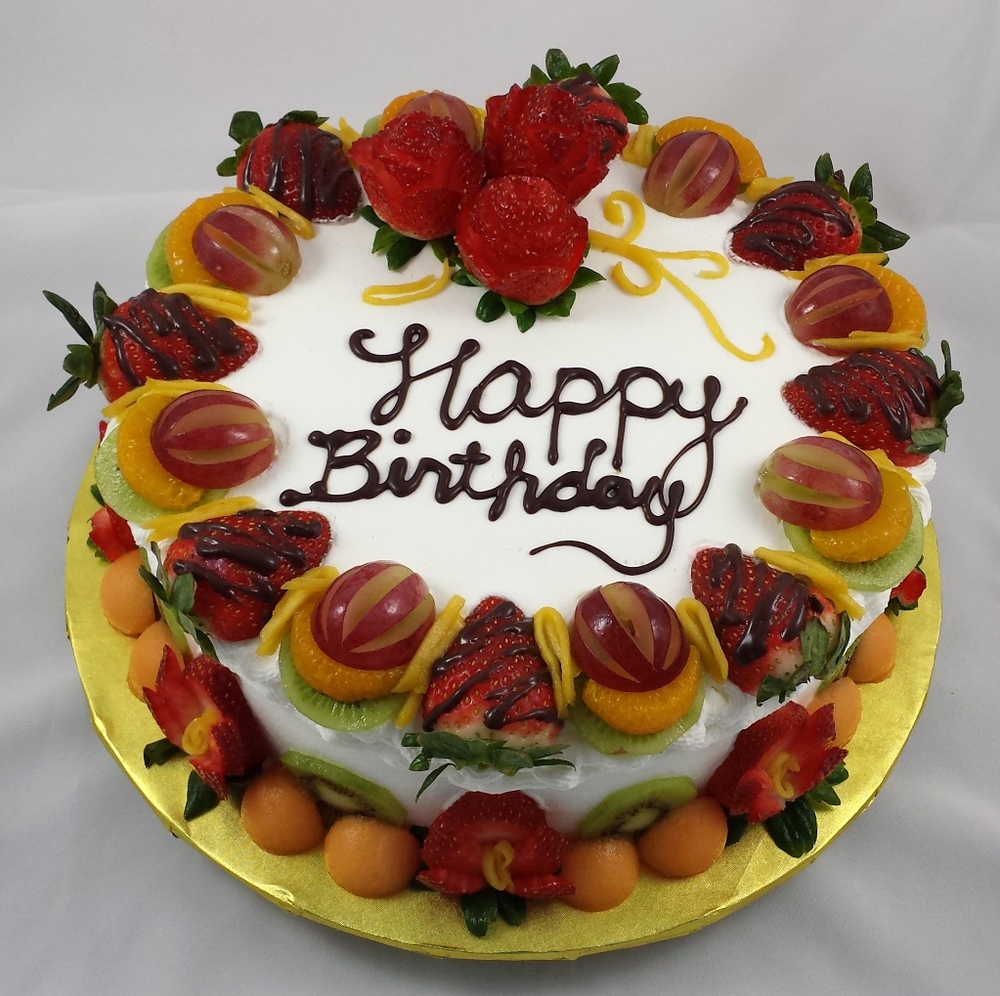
(646, 712)
(392, 108)
(751, 162)
(138, 464)
(181, 260)
(875, 537)
(340, 682)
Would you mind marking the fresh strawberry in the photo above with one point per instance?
(492, 681)
(543, 131)
(759, 615)
(459, 842)
(880, 399)
(151, 335)
(777, 759)
(603, 111)
(415, 172)
(240, 561)
(296, 162)
(201, 708)
(520, 238)
(906, 595)
(799, 221)
(110, 534)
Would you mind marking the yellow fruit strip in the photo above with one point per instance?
(552, 637)
(873, 340)
(408, 710)
(700, 632)
(165, 526)
(443, 631)
(299, 592)
(298, 223)
(761, 186)
(218, 300)
(416, 290)
(343, 131)
(862, 259)
(641, 146)
(167, 388)
(823, 578)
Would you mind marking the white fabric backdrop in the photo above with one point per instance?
(113, 114)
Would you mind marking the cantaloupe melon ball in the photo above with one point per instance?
(280, 814)
(604, 871)
(126, 599)
(369, 858)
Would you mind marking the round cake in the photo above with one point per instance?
(582, 518)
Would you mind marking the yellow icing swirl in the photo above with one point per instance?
(416, 290)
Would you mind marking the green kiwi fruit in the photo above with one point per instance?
(345, 790)
(635, 808)
(117, 492)
(157, 269)
(875, 575)
(608, 740)
(348, 717)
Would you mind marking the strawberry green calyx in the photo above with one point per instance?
(823, 657)
(247, 125)
(558, 67)
(175, 600)
(876, 236)
(950, 395)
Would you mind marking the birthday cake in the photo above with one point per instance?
(532, 523)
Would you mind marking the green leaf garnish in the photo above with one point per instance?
(479, 910)
(159, 752)
(200, 797)
(822, 658)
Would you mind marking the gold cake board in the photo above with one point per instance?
(432, 924)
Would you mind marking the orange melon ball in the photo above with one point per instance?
(280, 814)
(603, 870)
(369, 858)
(147, 652)
(686, 841)
(126, 599)
(875, 655)
(846, 699)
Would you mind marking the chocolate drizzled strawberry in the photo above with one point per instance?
(240, 561)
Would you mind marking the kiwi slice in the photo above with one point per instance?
(345, 790)
(637, 807)
(118, 493)
(608, 740)
(348, 717)
(875, 575)
(157, 268)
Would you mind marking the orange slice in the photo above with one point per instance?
(751, 163)
(181, 260)
(393, 107)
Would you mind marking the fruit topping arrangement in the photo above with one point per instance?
(499, 690)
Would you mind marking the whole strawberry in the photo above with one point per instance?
(798, 221)
(883, 399)
(151, 335)
(520, 237)
(240, 561)
(415, 172)
(492, 682)
(604, 112)
(296, 162)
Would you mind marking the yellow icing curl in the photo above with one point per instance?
(416, 290)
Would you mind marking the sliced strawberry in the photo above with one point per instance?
(464, 834)
(906, 595)
(798, 221)
(296, 162)
(415, 172)
(492, 681)
(758, 613)
(240, 561)
(151, 335)
(604, 112)
(201, 707)
(110, 534)
(777, 759)
(880, 399)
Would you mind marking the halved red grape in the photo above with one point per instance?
(835, 301)
(444, 105)
(213, 439)
(247, 249)
(625, 637)
(820, 483)
(692, 175)
(373, 616)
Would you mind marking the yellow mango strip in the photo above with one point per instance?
(825, 579)
(552, 637)
(417, 290)
(698, 628)
(641, 146)
(165, 526)
(300, 592)
(219, 300)
(298, 223)
(438, 638)
(761, 186)
(873, 340)
(649, 260)
(862, 259)
(167, 388)
(343, 131)
(408, 710)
